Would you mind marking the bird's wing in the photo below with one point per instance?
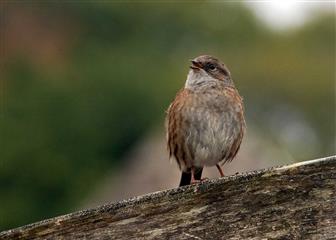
(175, 123)
(237, 120)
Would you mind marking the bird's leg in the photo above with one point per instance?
(196, 176)
(193, 180)
(220, 170)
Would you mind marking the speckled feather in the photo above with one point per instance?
(205, 123)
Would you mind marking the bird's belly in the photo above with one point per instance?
(211, 135)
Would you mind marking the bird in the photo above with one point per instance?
(205, 123)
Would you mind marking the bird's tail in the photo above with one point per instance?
(186, 176)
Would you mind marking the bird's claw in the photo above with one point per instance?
(194, 181)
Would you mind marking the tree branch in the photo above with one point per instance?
(292, 202)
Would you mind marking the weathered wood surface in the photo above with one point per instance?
(291, 202)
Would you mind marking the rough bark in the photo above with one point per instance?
(292, 202)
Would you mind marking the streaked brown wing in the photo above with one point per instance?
(176, 127)
(238, 132)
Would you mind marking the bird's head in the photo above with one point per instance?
(206, 68)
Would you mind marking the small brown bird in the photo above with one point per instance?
(205, 122)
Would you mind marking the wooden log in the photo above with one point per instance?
(297, 201)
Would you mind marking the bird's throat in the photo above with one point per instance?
(197, 78)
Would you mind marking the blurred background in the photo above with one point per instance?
(84, 86)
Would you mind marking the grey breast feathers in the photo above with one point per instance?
(205, 127)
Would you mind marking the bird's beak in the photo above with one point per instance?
(195, 65)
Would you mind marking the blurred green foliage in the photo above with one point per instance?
(63, 128)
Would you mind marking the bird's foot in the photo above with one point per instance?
(194, 181)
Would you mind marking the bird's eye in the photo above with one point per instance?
(211, 66)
